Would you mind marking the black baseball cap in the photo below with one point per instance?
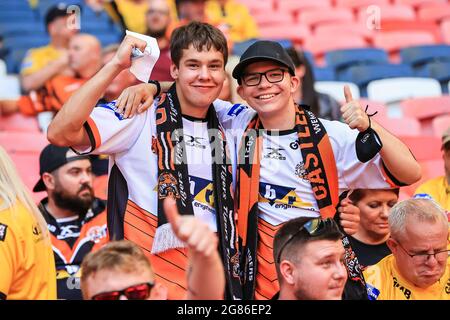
(54, 12)
(260, 51)
(53, 157)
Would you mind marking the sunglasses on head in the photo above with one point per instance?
(314, 227)
(137, 292)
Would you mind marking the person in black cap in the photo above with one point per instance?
(305, 162)
(75, 218)
(41, 64)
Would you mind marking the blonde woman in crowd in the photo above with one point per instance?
(26, 258)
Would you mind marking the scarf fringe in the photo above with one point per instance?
(165, 239)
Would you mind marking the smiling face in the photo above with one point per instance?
(199, 79)
(268, 98)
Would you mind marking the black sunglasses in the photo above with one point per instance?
(137, 292)
(315, 227)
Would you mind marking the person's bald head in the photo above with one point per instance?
(85, 54)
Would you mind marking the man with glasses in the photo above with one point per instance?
(418, 268)
(309, 259)
(120, 270)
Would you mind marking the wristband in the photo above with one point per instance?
(158, 87)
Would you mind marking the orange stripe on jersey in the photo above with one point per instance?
(392, 184)
(329, 164)
(169, 266)
(95, 132)
(266, 277)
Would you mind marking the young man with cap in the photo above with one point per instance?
(161, 152)
(43, 63)
(75, 218)
(292, 164)
(439, 188)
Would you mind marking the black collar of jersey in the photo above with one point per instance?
(98, 206)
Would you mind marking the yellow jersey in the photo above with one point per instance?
(38, 58)
(26, 259)
(438, 189)
(384, 282)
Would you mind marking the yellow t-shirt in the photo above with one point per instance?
(133, 14)
(438, 189)
(38, 58)
(384, 282)
(237, 23)
(26, 260)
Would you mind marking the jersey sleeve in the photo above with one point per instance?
(109, 133)
(352, 173)
(8, 257)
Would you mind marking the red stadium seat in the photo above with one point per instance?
(375, 106)
(18, 122)
(395, 40)
(319, 45)
(23, 142)
(275, 18)
(424, 148)
(389, 12)
(440, 124)
(100, 186)
(434, 13)
(296, 5)
(402, 126)
(259, 5)
(350, 28)
(354, 4)
(418, 3)
(430, 169)
(409, 26)
(314, 17)
(445, 28)
(296, 33)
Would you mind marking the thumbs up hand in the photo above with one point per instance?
(197, 234)
(352, 113)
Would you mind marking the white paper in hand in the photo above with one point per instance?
(142, 63)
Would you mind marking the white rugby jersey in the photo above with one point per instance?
(284, 191)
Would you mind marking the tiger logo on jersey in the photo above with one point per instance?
(168, 185)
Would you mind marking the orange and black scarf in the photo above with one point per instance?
(173, 180)
(322, 173)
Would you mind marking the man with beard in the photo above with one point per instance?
(157, 19)
(75, 218)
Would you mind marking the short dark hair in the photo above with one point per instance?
(358, 194)
(298, 242)
(199, 35)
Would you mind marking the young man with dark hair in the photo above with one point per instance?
(161, 152)
(309, 259)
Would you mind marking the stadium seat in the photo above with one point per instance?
(296, 33)
(413, 26)
(295, 6)
(350, 27)
(256, 6)
(392, 91)
(375, 106)
(336, 89)
(273, 19)
(440, 124)
(355, 4)
(361, 75)
(315, 17)
(18, 122)
(23, 142)
(438, 70)
(426, 107)
(9, 87)
(419, 55)
(423, 148)
(402, 126)
(434, 12)
(240, 47)
(395, 40)
(341, 59)
(418, 3)
(324, 74)
(445, 29)
(388, 12)
(319, 45)
(430, 169)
